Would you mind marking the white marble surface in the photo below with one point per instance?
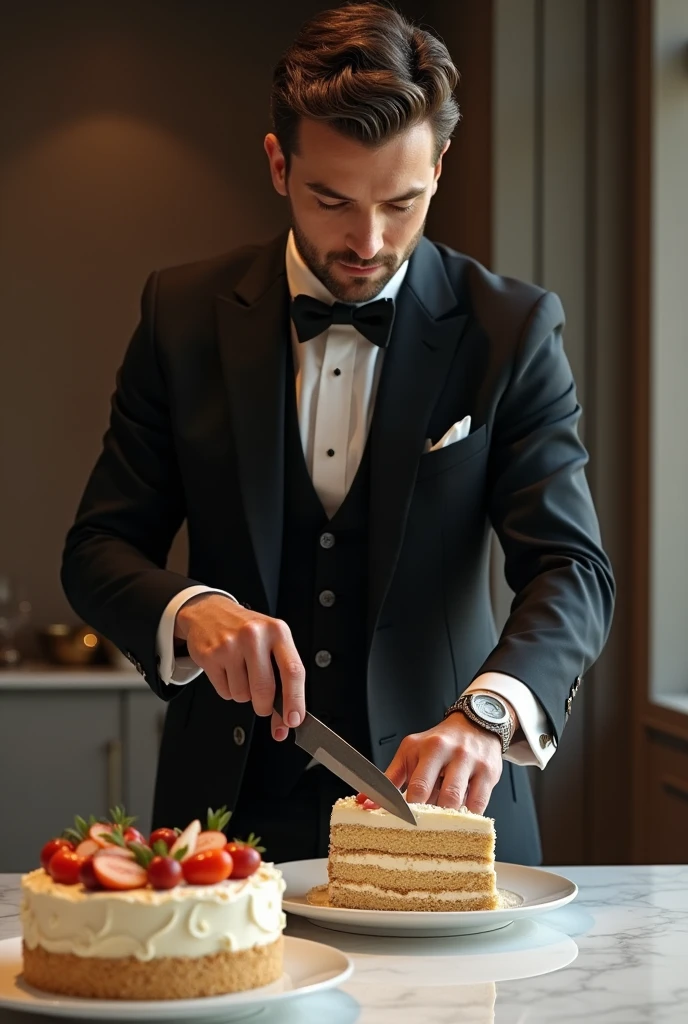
(617, 955)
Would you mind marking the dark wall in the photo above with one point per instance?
(131, 139)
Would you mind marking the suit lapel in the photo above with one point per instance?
(253, 331)
(427, 329)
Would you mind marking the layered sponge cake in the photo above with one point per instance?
(379, 862)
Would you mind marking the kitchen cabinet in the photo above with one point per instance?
(71, 745)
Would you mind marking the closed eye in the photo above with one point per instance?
(340, 206)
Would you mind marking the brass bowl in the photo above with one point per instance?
(70, 645)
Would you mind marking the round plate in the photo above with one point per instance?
(539, 890)
(308, 967)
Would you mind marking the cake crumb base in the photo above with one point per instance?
(164, 978)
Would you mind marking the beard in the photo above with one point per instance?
(357, 289)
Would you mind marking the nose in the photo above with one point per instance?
(365, 239)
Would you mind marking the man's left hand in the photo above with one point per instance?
(452, 764)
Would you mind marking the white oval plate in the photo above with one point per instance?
(540, 891)
(308, 967)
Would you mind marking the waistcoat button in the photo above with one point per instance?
(239, 736)
(326, 540)
(327, 598)
(323, 659)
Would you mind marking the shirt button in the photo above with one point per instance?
(239, 736)
(330, 452)
(327, 598)
(323, 659)
(326, 540)
(337, 372)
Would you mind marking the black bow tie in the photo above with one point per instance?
(373, 319)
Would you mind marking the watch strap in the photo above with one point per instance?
(502, 729)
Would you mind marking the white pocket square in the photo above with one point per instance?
(457, 432)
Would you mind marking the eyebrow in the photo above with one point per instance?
(324, 190)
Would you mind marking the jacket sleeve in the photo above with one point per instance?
(542, 511)
(113, 566)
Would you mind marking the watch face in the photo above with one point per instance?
(489, 708)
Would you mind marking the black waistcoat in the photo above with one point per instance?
(323, 591)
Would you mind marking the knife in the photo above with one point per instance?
(346, 762)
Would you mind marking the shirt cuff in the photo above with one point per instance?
(178, 670)
(538, 745)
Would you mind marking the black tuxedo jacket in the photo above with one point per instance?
(197, 432)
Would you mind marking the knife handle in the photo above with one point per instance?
(277, 702)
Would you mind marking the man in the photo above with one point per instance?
(340, 415)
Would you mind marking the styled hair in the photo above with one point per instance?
(369, 73)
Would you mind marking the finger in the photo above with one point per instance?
(237, 679)
(480, 787)
(293, 677)
(424, 776)
(278, 728)
(455, 783)
(218, 678)
(261, 678)
(397, 771)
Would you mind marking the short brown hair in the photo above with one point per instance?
(367, 71)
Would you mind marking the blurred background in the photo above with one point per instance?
(131, 139)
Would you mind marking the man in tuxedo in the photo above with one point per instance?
(340, 416)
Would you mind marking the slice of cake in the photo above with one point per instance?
(379, 862)
(181, 916)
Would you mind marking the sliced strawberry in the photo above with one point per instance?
(361, 798)
(87, 848)
(210, 841)
(132, 835)
(188, 839)
(114, 851)
(370, 805)
(96, 833)
(118, 873)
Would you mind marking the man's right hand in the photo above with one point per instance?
(234, 646)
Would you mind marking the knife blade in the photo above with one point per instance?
(347, 763)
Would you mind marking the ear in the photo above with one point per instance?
(438, 166)
(277, 163)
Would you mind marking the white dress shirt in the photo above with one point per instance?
(335, 410)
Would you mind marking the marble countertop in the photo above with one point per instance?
(618, 954)
(76, 677)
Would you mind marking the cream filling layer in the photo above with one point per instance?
(445, 895)
(429, 818)
(408, 863)
(188, 921)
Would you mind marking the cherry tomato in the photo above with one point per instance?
(207, 867)
(165, 835)
(65, 865)
(51, 848)
(87, 875)
(246, 859)
(165, 872)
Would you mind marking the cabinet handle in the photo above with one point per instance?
(114, 773)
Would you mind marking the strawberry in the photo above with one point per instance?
(113, 851)
(211, 841)
(119, 873)
(186, 842)
(98, 832)
(51, 848)
(361, 798)
(164, 835)
(87, 848)
(132, 835)
(370, 805)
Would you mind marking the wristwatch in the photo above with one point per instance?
(487, 711)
